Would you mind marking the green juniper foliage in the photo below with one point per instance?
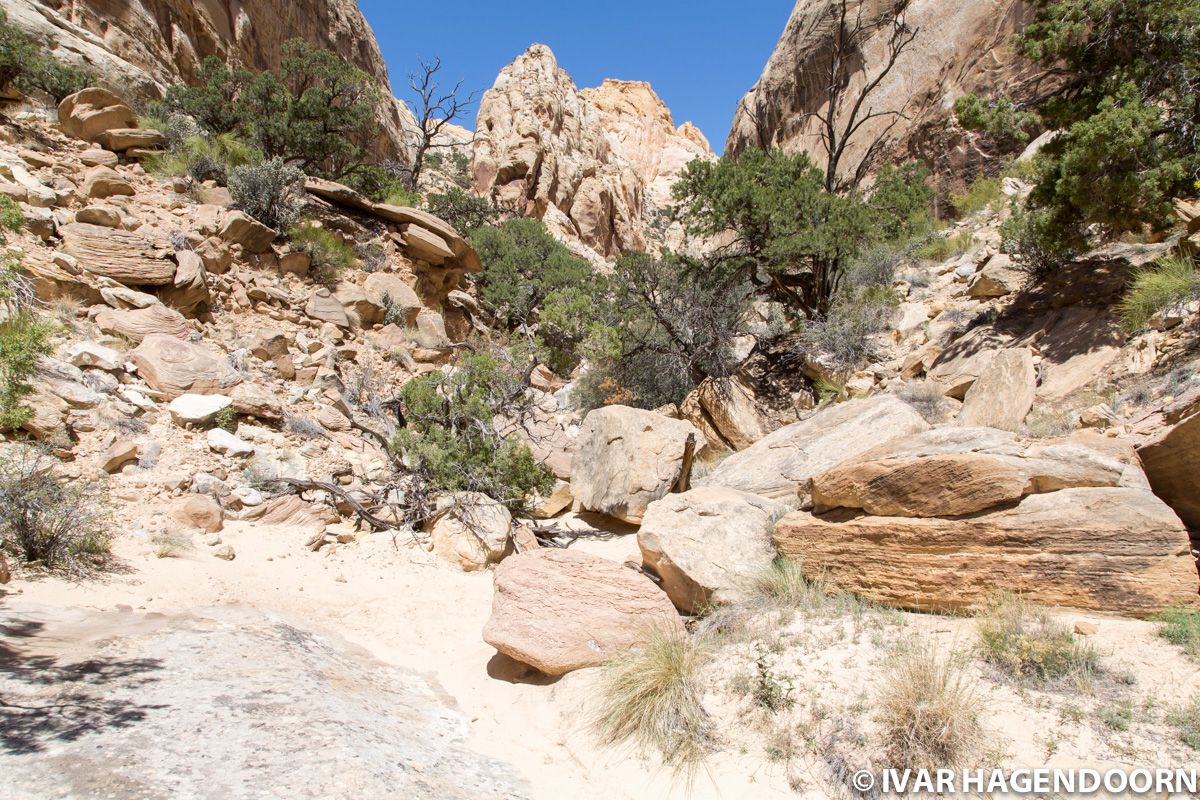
(24, 65)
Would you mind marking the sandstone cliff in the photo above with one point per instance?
(144, 45)
(958, 48)
(596, 165)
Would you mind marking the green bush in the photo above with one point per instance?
(452, 442)
(938, 247)
(984, 193)
(272, 192)
(380, 185)
(63, 523)
(1167, 285)
(1038, 241)
(23, 341)
(206, 158)
(466, 212)
(25, 67)
(12, 218)
(1181, 626)
(328, 256)
(998, 117)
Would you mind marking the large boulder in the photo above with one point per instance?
(708, 544)
(1172, 459)
(1003, 393)
(125, 257)
(189, 290)
(389, 291)
(174, 367)
(471, 530)
(239, 227)
(780, 463)
(88, 113)
(726, 411)
(197, 409)
(562, 610)
(101, 182)
(628, 457)
(953, 471)
(323, 306)
(136, 324)
(1113, 549)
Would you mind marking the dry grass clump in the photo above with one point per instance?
(928, 399)
(171, 545)
(928, 710)
(1181, 626)
(1025, 642)
(651, 697)
(1186, 719)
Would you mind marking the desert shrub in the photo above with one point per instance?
(328, 255)
(453, 440)
(23, 341)
(12, 218)
(848, 335)
(1050, 422)
(302, 426)
(62, 523)
(1181, 626)
(1186, 719)
(272, 192)
(24, 65)
(466, 212)
(938, 247)
(984, 193)
(1166, 286)
(1037, 242)
(1116, 716)
(226, 419)
(928, 399)
(650, 697)
(998, 117)
(1025, 641)
(206, 158)
(171, 545)
(771, 690)
(784, 583)
(928, 710)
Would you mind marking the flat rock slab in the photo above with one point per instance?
(127, 257)
(219, 704)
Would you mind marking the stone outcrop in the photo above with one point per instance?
(148, 45)
(628, 457)
(959, 48)
(784, 461)
(1172, 459)
(708, 544)
(127, 257)
(562, 610)
(1004, 392)
(587, 162)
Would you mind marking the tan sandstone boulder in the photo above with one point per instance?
(1118, 550)
(175, 367)
(562, 610)
(201, 511)
(471, 531)
(136, 324)
(126, 257)
(90, 112)
(1004, 392)
(1172, 459)
(783, 461)
(628, 457)
(726, 411)
(707, 544)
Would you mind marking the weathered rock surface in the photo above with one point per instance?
(707, 544)
(1119, 550)
(725, 409)
(586, 162)
(174, 367)
(561, 610)
(1003, 394)
(197, 409)
(136, 324)
(1172, 459)
(88, 113)
(201, 511)
(628, 457)
(127, 257)
(375, 730)
(471, 531)
(783, 461)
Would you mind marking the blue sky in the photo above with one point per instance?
(699, 55)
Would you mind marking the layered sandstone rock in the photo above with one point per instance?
(588, 163)
(1172, 458)
(147, 45)
(959, 48)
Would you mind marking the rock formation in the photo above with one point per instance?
(593, 164)
(143, 46)
(959, 48)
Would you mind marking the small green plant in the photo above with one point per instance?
(928, 710)
(772, 690)
(63, 524)
(984, 193)
(784, 583)
(202, 157)
(1181, 626)
(829, 390)
(226, 419)
(1117, 716)
(328, 255)
(12, 218)
(651, 697)
(23, 341)
(1167, 285)
(1186, 719)
(393, 312)
(1025, 641)
(941, 248)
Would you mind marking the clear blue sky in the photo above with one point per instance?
(699, 55)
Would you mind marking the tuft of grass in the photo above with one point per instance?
(829, 391)
(983, 193)
(1187, 720)
(1166, 285)
(1181, 626)
(772, 690)
(943, 248)
(650, 697)
(1118, 716)
(302, 426)
(1048, 423)
(928, 710)
(171, 545)
(783, 583)
(328, 255)
(1025, 642)
(928, 399)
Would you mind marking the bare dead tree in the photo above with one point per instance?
(435, 109)
(842, 113)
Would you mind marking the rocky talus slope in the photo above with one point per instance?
(958, 48)
(146, 45)
(595, 165)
